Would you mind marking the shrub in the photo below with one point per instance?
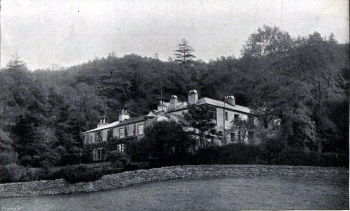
(208, 155)
(81, 173)
(165, 143)
(7, 157)
(229, 154)
(118, 159)
(7, 153)
(272, 148)
(35, 174)
(239, 154)
(296, 157)
(334, 159)
(13, 173)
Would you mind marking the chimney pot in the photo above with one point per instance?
(124, 115)
(173, 101)
(230, 100)
(192, 97)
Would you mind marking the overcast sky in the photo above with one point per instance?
(68, 32)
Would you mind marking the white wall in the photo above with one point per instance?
(220, 116)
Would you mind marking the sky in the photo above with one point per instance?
(53, 33)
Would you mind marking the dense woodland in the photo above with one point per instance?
(302, 80)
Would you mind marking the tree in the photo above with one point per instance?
(7, 153)
(165, 143)
(268, 41)
(240, 127)
(201, 118)
(184, 54)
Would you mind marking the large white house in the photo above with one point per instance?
(225, 114)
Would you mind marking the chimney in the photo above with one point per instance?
(161, 106)
(173, 101)
(102, 121)
(230, 100)
(192, 97)
(124, 115)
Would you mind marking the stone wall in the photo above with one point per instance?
(113, 181)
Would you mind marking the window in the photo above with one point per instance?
(236, 116)
(104, 135)
(130, 130)
(91, 139)
(140, 129)
(265, 122)
(226, 116)
(251, 121)
(233, 136)
(99, 136)
(97, 154)
(121, 132)
(250, 135)
(110, 134)
(121, 147)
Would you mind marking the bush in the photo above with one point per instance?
(272, 148)
(229, 154)
(7, 157)
(13, 173)
(208, 155)
(297, 157)
(267, 154)
(239, 154)
(81, 173)
(165, 143)
(118, 159)
(334, 159)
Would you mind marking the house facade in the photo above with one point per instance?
(231, 121)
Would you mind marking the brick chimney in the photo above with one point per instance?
(230, 100)
(192, 97)
(173, 102)
(124, 115)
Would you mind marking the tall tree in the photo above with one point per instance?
(201, 119)
(183, 54)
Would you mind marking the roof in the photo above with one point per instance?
(132, 120)
(222, 104)
(120, 123)
(216, 103)
(113, 124)
(181, 106)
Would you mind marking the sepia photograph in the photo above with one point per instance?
(174, 105)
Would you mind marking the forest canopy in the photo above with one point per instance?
(304, 81)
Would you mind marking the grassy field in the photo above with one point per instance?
(261, 192)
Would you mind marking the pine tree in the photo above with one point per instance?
(184, 54)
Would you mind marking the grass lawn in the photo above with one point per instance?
(261, 192)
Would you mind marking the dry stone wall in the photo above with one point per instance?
(113, 181)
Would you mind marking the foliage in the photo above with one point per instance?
(273, 147)
(12, 173)
(165, 143)
(184, 54)
(229, 154)
(119, 159)
(241, 127)
(201, 118)
(7, 153)
(303, 81)
(255, 154)
(81, 173)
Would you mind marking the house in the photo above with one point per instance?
(225, 114)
